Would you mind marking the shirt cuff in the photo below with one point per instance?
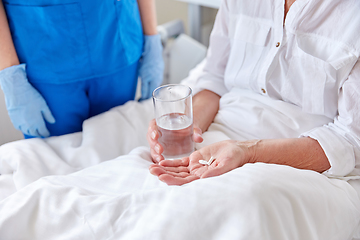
(338, 150)
(210, 83)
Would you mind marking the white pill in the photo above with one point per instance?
(203, 162)
(211, 160)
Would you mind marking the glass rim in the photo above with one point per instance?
(171, 85)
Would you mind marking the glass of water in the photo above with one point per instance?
(174, 119)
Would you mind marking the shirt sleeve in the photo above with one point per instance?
(340, 140)
(212, 76)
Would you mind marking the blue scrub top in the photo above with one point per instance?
(64, 41)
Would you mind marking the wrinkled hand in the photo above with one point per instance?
(156, 149)
(229, 155)
(151, 68)
(26, 107)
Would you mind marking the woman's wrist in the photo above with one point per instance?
(249, 147)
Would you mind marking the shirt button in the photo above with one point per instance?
(263, 90)
(277, 44)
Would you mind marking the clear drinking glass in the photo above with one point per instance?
(174, 119)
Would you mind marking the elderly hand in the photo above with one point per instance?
(151, 67)
(156, 148)
(228, 155)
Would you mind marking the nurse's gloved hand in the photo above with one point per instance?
(26, 107)
(151, 66)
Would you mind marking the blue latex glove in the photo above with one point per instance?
(151, 66)
(26, 107)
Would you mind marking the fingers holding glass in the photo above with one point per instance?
(197, 134)
(155, 147)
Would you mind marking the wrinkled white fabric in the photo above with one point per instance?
(120, 199)
(104, 137)
(310, 61)
(78, 186)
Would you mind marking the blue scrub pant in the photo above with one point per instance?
(72, 103)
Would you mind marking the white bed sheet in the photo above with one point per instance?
(103, 138)
(96, 185)
(119, 199)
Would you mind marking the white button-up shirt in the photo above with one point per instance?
(309, 60)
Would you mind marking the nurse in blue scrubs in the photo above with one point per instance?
(63, 61)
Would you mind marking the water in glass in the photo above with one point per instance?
(176, 135)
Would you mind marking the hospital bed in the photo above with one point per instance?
(95, 184)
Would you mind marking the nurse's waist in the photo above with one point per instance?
(84, 77)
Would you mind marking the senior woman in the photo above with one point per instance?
(281, 88)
